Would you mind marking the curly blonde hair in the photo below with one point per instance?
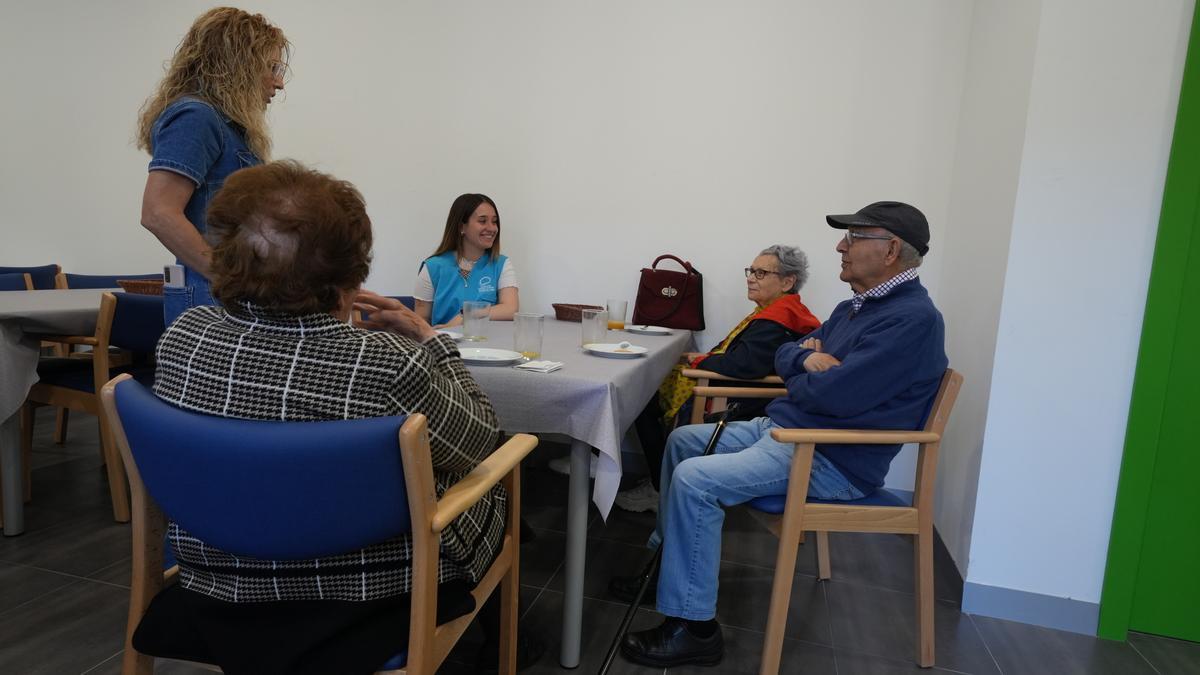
(222, 59)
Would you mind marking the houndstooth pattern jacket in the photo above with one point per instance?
(249, 363)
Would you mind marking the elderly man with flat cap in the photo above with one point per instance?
(875, 364)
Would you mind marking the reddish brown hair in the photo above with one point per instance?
(288, 239)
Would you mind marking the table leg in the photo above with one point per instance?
(577, 516)
(13, 478)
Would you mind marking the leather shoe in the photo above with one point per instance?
(672, 644)
(625, 589)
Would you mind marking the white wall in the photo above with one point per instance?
(607, 133)
(1101, 114)
(991, 135)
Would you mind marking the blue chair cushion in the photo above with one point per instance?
(42, 275)
(881, 497)
(137, 322)
(280, 482)
(104, 280)
(396, 662)
(13, 281)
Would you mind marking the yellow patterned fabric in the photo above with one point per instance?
(676, 389)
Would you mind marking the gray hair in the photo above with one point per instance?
(792, 262)
(909, 257)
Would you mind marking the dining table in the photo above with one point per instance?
(23, 316)
(593, 400)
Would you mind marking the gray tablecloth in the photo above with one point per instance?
(62, 312)
(592, 399)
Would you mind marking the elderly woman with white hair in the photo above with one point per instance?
(773, 283)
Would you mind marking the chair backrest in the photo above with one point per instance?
(42, 275)
(264, 489)
(101, 280)
(137, 322)
(927, 456)
(15, 281)
(406, 300)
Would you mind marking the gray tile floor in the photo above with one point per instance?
(64, 587)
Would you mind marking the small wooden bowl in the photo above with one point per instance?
(141, 286)
(568, 312)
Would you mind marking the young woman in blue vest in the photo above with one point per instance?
(467, 265)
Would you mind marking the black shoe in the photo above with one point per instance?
(530, 648)
(625, 589)
(672, 644)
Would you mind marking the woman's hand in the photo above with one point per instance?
(385, 313)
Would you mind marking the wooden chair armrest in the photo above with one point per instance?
(69, 339)
(842, 436)
(463, 494)
(740, 392)
(698, 374)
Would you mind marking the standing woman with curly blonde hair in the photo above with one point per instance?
(206, 119)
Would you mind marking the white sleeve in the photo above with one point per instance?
(508, 275)
(424, 289)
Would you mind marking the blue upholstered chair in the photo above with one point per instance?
(16, 281)
(299, 490)
(130, 322)
(791, 514)
(66, 280)
(42, 275)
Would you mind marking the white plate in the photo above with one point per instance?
(482, 356)
(648, 330)
(613, 350)
(456, 336)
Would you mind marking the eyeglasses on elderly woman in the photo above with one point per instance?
(759, 274)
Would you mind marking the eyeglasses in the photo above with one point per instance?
(852, 237)
(280, 70)
(759, 274)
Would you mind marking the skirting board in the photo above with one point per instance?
(1040, 610)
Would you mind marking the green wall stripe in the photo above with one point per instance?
(1165, 297)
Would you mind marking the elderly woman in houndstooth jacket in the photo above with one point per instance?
(292, 248)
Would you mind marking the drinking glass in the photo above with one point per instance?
(595, 326)
(527, 334)
(475, 320)
(616, 314)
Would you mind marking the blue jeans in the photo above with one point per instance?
(746, 463)
(177, 300)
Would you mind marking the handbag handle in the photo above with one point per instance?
(687, 278)
(687, 266)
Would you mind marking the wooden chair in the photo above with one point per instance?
(16, 281)
(42, 276)
(133, 322)
(66, 281)
(882, 511)
(770, 386)
(312, 503)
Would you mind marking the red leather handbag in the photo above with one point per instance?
(668, 298)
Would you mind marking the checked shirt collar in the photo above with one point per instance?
(258, 318)
(883, 289)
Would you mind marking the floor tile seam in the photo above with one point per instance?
(738, 563)
(78, 577)
(1139, 653)
(895, 659)
(1164, 638)
(38, 598)
(873, 587)
(786, 638)
(102, 663)
(983, 639)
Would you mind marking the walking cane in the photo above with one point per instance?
(652, 567)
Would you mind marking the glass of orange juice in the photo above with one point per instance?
(616, 314)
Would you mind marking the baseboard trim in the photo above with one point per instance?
(1049, 611)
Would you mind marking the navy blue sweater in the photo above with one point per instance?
(893, 358)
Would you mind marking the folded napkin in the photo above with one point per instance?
(540, 366)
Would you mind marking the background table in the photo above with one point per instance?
(591, 399)
(23, 314)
